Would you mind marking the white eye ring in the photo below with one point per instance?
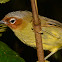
(12, 20)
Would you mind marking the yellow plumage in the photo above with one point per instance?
(21, 24)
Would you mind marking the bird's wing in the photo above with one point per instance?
(50, 22)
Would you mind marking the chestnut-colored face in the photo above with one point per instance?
(12, 22)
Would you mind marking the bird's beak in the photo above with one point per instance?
(2, 22)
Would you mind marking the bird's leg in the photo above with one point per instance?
(49, 55)
(53, 51)
(45, 61)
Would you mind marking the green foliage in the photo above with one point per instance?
(2, 29)
(4, 1)
(8, 55)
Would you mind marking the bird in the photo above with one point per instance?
(20, 22)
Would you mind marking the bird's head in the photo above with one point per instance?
(17, 19)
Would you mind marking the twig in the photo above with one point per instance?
(37, 29)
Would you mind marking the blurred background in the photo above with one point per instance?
(48, 8)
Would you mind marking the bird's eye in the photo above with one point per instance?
(12, 21)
